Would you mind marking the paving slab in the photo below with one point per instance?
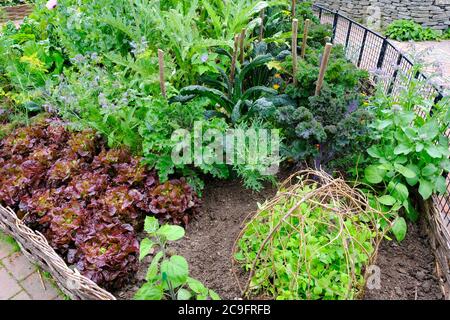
(9, 286)
(39, 289)
(19, 266)
(22, 295)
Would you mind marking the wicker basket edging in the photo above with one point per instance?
(440, 242)
(37, 249)
(15, 12)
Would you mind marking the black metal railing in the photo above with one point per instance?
(373, 52)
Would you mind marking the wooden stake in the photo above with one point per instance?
(305, 37)
(323, 67)
(294, 49)
(162, 82)
(293, 8)
(242, 39)
(261, 27)
(234, 59)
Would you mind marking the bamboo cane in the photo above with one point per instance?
(234, 59)
(293, 8)
(294, 49)
(261, 27)
(242, 41)
(305, 37)
(323, 67)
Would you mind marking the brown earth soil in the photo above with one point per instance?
(406, 268)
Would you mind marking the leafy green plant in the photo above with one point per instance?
(325, 128)
(230, 93)
(159, 123)
(405, 30)
(410, 150)
(255, 172)
(446, 34)
(304, 244)
(168, 274)
(29, 60)
(92, 96)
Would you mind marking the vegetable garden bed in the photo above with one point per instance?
(115, 128)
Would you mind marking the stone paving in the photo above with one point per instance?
(436, 55)
(20, 280)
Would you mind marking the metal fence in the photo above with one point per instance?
(371, 51)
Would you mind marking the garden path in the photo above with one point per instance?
(21, 280)
(436, 53)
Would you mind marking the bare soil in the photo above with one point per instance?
(407, 269)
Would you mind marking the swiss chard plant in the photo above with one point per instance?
(168, 274)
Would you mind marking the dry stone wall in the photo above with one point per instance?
(430, 13)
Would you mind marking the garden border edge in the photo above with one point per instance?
(37, 250)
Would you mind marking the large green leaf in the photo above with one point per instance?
(197, 286)
(429, 130)
(149, 291)
(398, 190)
(257, 62)
(153, 269)
(145, 248)
(258, 90)
(433, 151)
(404, 171)
(402, 149)
(425, 189)
(375, 152)
(399, 229)
(374, 174)
(413, 181)
(151, 224)
(171, 233)
(387, 200)
(176, 270)
(441, 185)
(213, 94)
(184, 294)
(429, 170)
(236, 114)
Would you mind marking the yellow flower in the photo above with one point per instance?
(276, 86)
(278, 76)
(34, 62)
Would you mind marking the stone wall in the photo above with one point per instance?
(431, 13)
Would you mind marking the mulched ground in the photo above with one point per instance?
(407, 269)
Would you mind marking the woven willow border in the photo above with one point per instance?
(15, 12)
(440, 243)
(36, 248)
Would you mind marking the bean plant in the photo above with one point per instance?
(168, 275)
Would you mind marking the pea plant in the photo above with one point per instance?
(168, 275)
